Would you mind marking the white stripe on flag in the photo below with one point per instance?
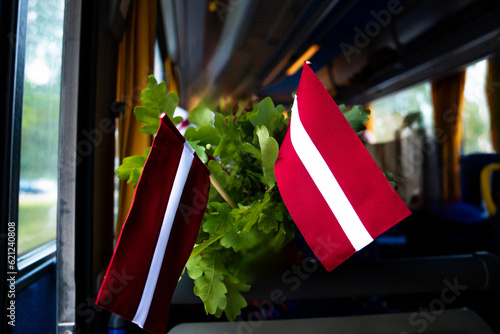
(327, 183)
(161, 245)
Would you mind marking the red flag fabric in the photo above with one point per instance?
(158, 234)
(336, 194)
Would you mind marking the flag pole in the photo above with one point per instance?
(222, 192)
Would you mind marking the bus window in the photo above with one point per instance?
(475, 115)
(389, 112)
(40, 125)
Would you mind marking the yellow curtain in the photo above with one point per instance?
(493, 97)
(448, 99)
(370, 125)
(172, 81)
(135, 63)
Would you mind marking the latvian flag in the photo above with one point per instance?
(159, 232)
(336, 194)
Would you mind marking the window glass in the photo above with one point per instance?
(475, 116)
(389, 112)
(40, 124)
(159, 71)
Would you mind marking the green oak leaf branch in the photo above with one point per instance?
(246, 219)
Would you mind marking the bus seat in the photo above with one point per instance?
(490, 188)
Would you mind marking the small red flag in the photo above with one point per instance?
(336, 194)
(158, 234)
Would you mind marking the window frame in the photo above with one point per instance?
(40, 260)
(31, 266)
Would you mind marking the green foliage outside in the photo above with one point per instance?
(41, 95)
(40, 135)
(39, 222)
(476, 124)
(240, 148)
(476, 130)
(391, 112)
